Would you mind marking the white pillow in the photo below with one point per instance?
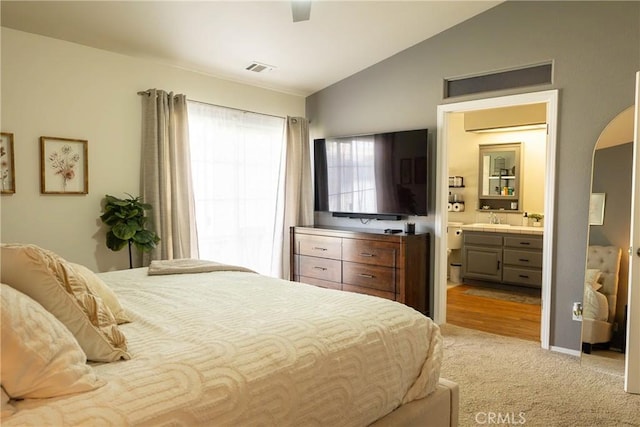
(49, 280)
(40, 357)
(101, 289)
(596, 305)
(592, 278)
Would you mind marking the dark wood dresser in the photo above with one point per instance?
(393, 266)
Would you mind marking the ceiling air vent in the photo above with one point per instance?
(257, 67)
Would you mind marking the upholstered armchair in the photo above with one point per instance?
(598, 311)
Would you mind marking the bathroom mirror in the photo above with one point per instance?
(499, 176)
(603, 337)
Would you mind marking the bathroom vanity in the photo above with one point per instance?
(509, 255)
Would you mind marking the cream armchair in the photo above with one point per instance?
(606, 259)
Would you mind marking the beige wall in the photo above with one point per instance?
(463, 161)
(55, 88)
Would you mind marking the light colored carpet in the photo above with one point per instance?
(517, 381)
(504, 295)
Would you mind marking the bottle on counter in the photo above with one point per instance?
(525, 220)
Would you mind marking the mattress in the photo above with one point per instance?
(236, 348)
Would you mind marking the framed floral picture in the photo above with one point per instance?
(7, 166)
(63, 166)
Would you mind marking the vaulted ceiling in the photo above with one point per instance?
(222, 38)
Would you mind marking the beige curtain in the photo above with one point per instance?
(166, 175)
(298, 190)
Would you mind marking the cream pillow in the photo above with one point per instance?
(6, 408)
(101, 289)
(596, 305)
(50, 281)
(40, 357)
(592, 278)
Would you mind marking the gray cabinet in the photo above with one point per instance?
(482, 256)
(514, 259)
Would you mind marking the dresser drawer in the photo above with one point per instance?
(369, 276)
(369, 291)
(319, 268)
(318, 246)
(318, 282)
(370, 252)
(522, 276)
(523, 242)
(523, 258)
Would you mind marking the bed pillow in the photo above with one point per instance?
(101, 289)
(595, 305)
(40, 357)
(50, 281)
(592, 278)
(6, 408)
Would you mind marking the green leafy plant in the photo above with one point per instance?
(536, 216)
(127, 221)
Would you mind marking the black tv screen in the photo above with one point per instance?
(382, 175)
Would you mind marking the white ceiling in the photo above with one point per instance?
(221, 38)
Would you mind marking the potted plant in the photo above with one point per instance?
(537, 219)
(127, 221)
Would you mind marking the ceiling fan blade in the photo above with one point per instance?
(301, 10)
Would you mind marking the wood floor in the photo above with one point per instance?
(493, 315)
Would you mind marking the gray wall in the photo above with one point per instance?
(595, 48)
(612, 168)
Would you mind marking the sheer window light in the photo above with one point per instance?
(236, 159)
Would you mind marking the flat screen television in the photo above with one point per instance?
(381, 176)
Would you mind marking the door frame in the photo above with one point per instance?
(550, 98)
(632, 356)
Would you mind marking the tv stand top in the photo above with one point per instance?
(364, 230)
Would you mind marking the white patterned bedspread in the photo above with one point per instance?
(234, 348)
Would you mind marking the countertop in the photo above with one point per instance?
(503, 228)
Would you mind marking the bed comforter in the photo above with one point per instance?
(236, 348)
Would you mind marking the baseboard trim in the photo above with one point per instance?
(563, 350)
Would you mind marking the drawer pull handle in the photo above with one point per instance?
(524, 276)
(525, 243)
(523, 260)
(367, 276)
(317, 248)
(366, 254)
(320, 268)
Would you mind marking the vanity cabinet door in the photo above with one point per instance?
(482, 262)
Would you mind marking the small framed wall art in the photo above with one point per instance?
(7, 165)
(63, 166)
(596, 209)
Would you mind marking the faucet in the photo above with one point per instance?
(493, 218)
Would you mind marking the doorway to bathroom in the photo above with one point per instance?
(496, 163)
(447, 114)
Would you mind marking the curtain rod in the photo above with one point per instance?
(236, 109)
(147, 92)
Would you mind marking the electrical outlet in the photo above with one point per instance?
(576, 311)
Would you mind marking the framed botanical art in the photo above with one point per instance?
(7, 165)
(63, 166)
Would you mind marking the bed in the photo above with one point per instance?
(221, 346)
(600, 295)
